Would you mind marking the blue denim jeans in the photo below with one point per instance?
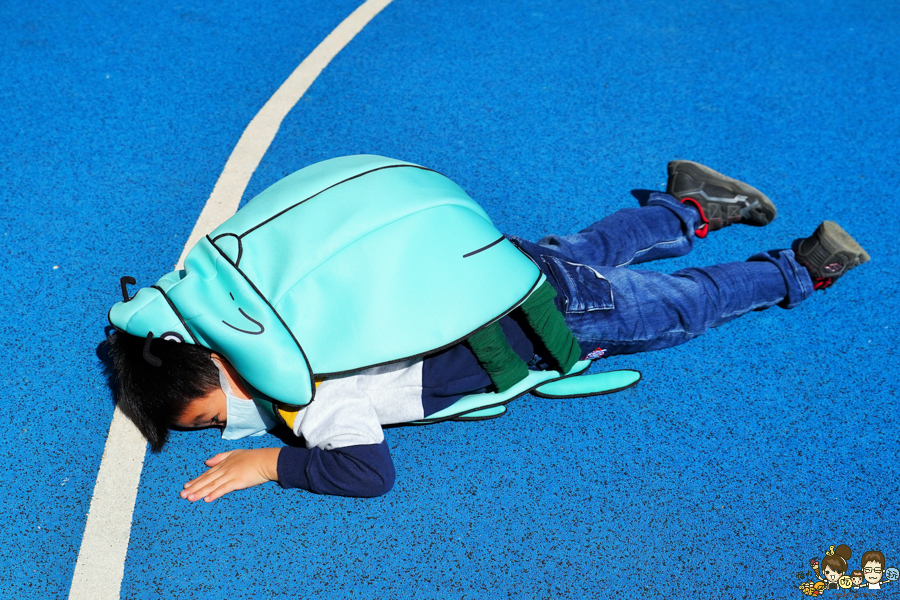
(615, 310)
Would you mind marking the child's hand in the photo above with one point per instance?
(235, 470)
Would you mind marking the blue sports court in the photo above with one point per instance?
(739, 456)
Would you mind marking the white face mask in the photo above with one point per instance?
(244, 418)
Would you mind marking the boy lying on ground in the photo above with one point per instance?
(166, 381)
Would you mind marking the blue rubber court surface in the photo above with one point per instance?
(738, 458)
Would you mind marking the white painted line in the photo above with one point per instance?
(248, 153)
(101, 559)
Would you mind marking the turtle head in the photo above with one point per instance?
(149, 312)
(212, 304)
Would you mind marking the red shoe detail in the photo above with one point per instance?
(821, 284)
(595, 354)
(701, 231)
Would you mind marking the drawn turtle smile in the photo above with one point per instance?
(249, 318)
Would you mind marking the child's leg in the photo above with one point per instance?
(662, 229)
(623, 311)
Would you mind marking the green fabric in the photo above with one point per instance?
(503, 365)
(494, 353)
(548, 323)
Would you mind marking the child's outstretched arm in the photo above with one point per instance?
(346, 453)
(235, 470)
(359, 471)
(362, 471)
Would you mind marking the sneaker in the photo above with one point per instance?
(720, 199)
(828, 254)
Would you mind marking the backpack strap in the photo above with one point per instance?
(502, 364)
(495, 355)
(549, 325)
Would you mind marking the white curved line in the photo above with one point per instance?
(254, 142)
(101, 558)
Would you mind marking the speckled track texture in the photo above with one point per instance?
(739, 456)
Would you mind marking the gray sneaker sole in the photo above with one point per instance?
(703, 173)
(836, 240)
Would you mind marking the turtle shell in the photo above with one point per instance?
(346, 264)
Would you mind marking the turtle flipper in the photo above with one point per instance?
(588, 385)
(578, 368)
(483, 415)
(477, 403)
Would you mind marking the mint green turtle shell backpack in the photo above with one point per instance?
(346, 264)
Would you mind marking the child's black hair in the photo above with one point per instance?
(155, 397)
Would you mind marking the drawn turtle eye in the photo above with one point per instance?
(172, 336)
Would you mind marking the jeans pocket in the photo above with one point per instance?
(583, 287)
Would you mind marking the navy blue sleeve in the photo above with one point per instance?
(359, 471)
